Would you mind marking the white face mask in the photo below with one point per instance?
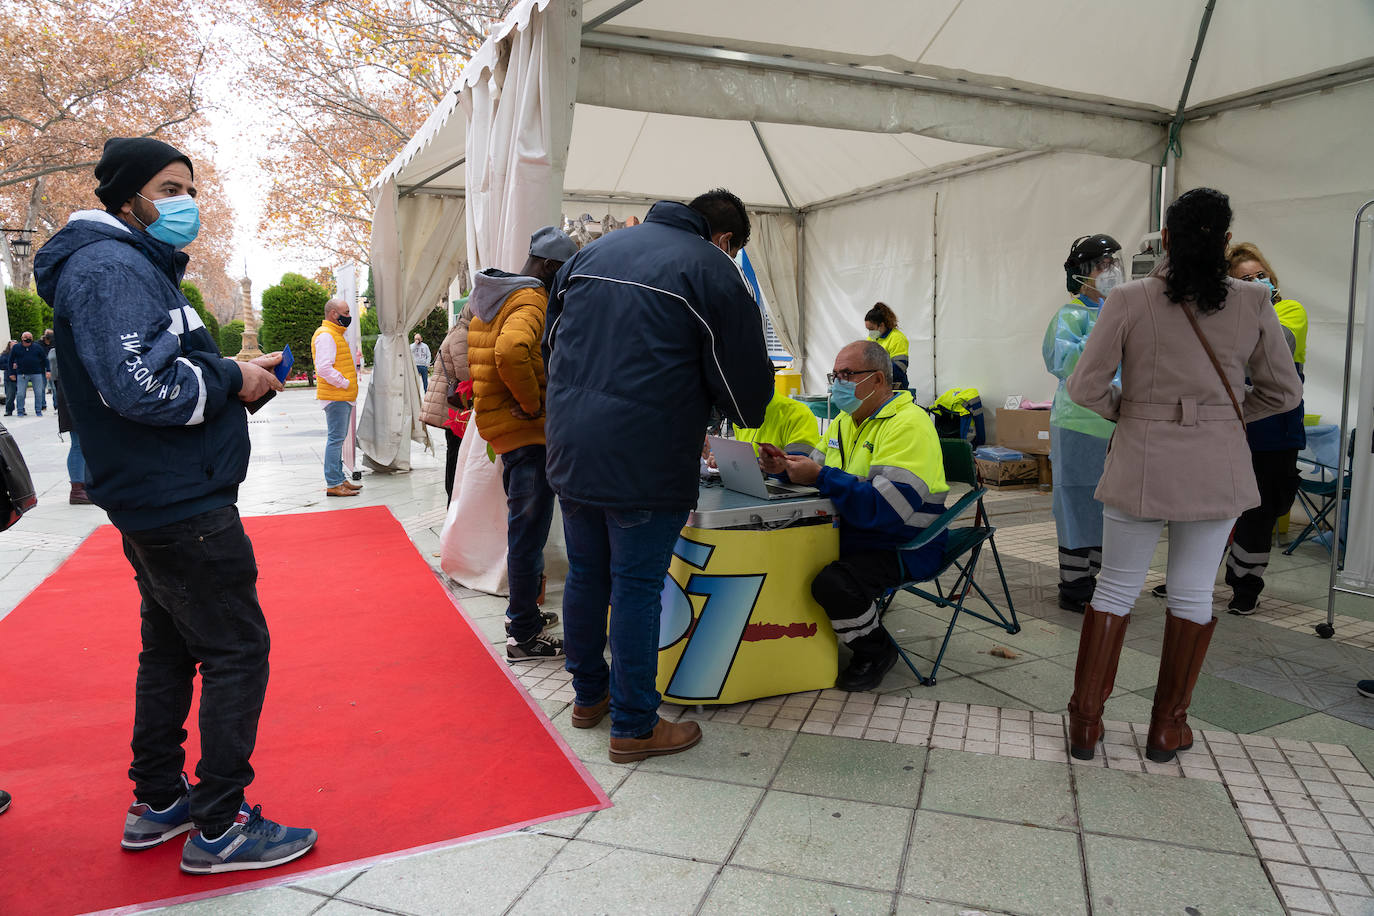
(1108, 280)
(874, 335)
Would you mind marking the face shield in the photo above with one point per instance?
(1104, 273)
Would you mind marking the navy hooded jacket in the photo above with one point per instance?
(646, 329)
(163, 432)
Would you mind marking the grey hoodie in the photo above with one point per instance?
(491, 287)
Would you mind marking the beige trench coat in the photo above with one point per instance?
(1179, 452)
(452, 352)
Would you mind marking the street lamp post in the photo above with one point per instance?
(21, 246)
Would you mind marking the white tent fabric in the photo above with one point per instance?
(415, 251)
(773, 247)
(850, 118)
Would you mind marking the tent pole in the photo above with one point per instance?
(800, 219)
(1168, 182)
(935, 299)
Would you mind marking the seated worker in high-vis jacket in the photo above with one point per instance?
(885, 473)
(788, 424)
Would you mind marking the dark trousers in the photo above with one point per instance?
(848, 590)
(1078, 569)
(198, 580)
(10, 386)
(452, 443)
(529, 508)
(1276, 473)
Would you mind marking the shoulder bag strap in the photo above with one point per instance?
(1202, 339)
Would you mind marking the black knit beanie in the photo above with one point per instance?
(128, 163)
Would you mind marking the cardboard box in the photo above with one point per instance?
(1026, 431)
(1003, 475)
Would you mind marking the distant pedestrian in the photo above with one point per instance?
(9, 380)
(28, 368)
(450, 368)
(336, 384)
(76, 462)
(46, 342)
(419, 351)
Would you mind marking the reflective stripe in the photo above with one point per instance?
(899, 503)
(806, 450)
(1073, 575)
(901, 475)
(198, 413)
(1073, 561)
(1242, 569)
(1246, 556)
(849, 629)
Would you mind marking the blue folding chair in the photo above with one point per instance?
(963, 549)
(1317, 489)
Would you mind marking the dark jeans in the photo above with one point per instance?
(10, 386)
(198, 578)
(617, 559)
(451, 445)
(529, 508)
(1276, 473)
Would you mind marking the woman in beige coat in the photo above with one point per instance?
(452, 357)
(1179, 454)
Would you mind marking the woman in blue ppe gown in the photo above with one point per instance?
(1079, 437)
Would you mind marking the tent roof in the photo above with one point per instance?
(1088, 68)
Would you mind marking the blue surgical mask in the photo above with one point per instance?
(1273, 293)
(843, 397)
(178, 220)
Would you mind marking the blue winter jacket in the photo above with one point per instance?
(30, 360)
(163, 432)
(648, 327)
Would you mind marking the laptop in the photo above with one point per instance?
(740, 471)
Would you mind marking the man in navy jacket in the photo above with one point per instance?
(646, 329)
(28, 368)
(163, 427)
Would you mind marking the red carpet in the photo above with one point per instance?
(389, 725)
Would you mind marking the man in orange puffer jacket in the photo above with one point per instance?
(508, 403)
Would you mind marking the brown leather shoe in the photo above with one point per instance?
(590, 716)
(78, 496)
(667, 738)
(352, 486)
(341, 490)
(1180, 662)
(1099, 650)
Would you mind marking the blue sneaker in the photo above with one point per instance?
(145, 827)
(252, 842)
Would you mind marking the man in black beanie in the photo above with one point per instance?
(164, 429)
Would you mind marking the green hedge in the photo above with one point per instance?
(27, 312)
(291, 311)
(231, 337)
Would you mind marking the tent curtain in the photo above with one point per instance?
(773, 252)
(416, 248)
(519, 122)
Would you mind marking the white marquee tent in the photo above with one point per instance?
(939, 156)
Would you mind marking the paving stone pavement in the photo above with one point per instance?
(957, 798)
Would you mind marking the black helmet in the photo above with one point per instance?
(1086, 250)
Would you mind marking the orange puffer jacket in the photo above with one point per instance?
(508, 370)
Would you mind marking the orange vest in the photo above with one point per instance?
(343, 361)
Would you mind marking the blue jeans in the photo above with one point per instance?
(616, 558)
(76, 462)
(198, 581)
(529, 508)
(424, 376)
(336, 415)
(39, 385)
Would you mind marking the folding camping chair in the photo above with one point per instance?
(1317, 487)
(963, 548)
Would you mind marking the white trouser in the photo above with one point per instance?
(1128, 546)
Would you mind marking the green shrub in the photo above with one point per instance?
(291, 312)
(368, 329)
(432, 330)
(27, 312)
(193, 296)
(231, 337)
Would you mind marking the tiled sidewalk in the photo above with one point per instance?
(952, 799)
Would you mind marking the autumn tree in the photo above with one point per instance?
(77, 73)
(347, 83)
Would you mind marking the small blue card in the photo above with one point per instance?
(283, 368)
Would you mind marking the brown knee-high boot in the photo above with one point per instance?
(1099, 650)
(1180, 662)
